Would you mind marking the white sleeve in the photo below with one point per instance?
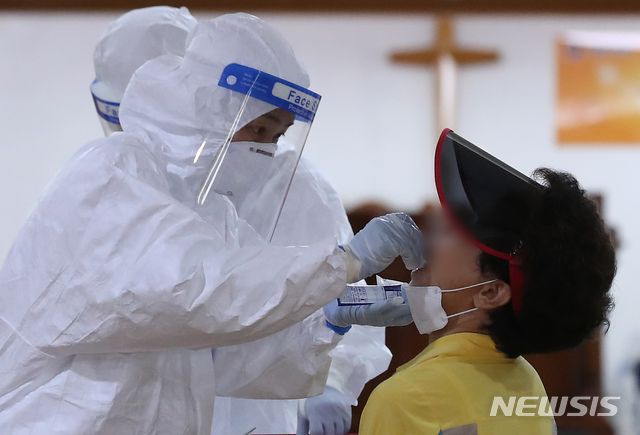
(359, 357)
(362, 354)
(110, 262)
(290, 364)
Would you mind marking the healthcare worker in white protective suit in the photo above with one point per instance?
(134, 262)
(312, 212)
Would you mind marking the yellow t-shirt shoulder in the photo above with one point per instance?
(448, 389)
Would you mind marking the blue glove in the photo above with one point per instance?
(384, 313)
(380, 242)
(326, 414)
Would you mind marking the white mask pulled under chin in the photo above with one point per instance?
(426, 306)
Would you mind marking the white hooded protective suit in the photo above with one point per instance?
(128, 42)
(262, 369)
(118, 285)
(312, 212)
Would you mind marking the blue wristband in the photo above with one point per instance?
(337, 329)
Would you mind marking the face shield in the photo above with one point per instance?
(256, 162)
(107, 105)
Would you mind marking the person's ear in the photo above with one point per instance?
(492, 295)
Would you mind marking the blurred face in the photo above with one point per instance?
(266, 129)
(452, 262)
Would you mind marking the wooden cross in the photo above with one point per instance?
(446, 56)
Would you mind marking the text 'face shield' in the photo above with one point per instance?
(257, 161)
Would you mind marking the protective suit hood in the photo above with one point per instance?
(135, 38)
(128, 42)
(177, 105)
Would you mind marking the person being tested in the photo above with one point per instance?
(516, 266)
(148, 249)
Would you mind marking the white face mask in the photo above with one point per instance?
(246, 167)
(426, 306)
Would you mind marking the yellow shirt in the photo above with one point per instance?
(449, 388)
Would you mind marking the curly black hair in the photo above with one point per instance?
(569, 263)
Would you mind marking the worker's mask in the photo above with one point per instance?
(256, 176)
(107, 105)
(247, 167)
(426, 306)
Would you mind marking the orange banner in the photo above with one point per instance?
(598, 95)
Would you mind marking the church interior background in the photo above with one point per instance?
(391, 78)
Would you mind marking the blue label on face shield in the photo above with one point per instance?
(271, 89)
(107, 110)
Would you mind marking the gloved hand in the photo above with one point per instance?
(380, 242)
(384, 313)
(326, 414)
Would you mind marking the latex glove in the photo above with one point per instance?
(384, 313)
(326, 414)
(379, 243)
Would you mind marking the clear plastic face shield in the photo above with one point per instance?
(107, 107)
(256, 163)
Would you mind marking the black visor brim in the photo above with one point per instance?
(488, 199)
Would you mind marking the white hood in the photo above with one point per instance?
(135, 38)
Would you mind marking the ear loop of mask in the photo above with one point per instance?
(469, 286)
(464, 288)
